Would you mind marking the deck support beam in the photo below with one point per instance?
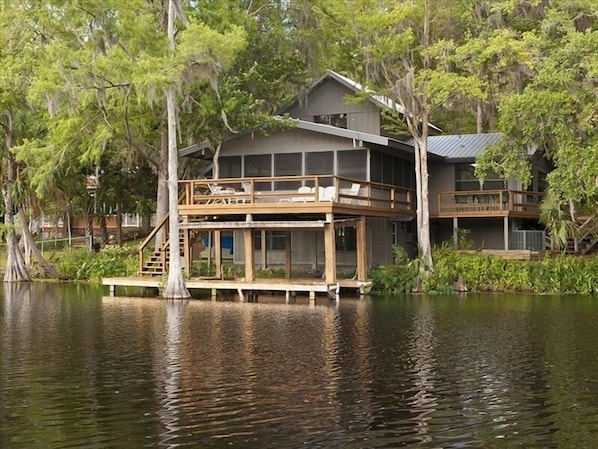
(329, 251)
(455, 232)
(360, 231)
(217, 242)
(249, 255)
(506, 232)
(288, 254)
(187, 256)
(264, 249)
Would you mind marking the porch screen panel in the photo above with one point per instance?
(287, 165)
(258, 166)
(387, 169)
(320, 163)
(230, 167)
(352, 164)
(408, 174)
(375, 166)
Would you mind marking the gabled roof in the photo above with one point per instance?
(203, 150)
(350, 134)
(380, 101)
(461, 146)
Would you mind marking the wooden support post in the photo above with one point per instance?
(187, 256)
(112, 290)
(213, 294)
(330, 253)
(455, 232)
(264, 250)
(249, 255)
(218, 253)
(506, 232)
(288, 255)
(210, 248)
(360, 231)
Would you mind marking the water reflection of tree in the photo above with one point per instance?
(422, 354)
(169, 375)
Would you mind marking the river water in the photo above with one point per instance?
(79, 370)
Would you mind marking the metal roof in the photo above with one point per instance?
(461, 146)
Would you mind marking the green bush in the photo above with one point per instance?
(481, 273)
(83, 264)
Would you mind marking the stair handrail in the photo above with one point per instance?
(149, 238)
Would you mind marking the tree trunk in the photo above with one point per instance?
(89, 222)
(479, 118)
(104, 229)
(16, 270)
(119, 224)
(162, 194)
(175, 286)
(423, 205)
(48, 268)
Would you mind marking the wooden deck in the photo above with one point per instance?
(247, 288)
(299, 195)
(488, 203)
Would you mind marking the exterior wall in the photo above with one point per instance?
(442, 179)
(288, 141)
(329, 98)
(484, 233)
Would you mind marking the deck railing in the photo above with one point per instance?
(489, 202)
(296, 189)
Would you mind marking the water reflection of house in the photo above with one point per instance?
(331, 191)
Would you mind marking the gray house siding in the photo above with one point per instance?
(286, 141)
(442, 179)
(330, 99)
(481, 233)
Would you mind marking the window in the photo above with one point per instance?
(465, 179)
(353, 164)
(274, 240)
(287, 165)
(230, 167)
(346, 239)
(337, 120)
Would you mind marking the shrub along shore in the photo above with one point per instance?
(454, 272)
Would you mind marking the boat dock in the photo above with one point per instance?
(247, 289)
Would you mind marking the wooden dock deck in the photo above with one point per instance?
(289, 287)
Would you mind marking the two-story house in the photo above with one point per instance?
(333, 192)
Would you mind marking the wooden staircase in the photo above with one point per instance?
(156, 262)
(588, 235)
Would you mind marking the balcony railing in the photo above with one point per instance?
(288, 191)
(489, 202)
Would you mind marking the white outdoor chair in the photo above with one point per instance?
(327, 194)
(303, 199)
